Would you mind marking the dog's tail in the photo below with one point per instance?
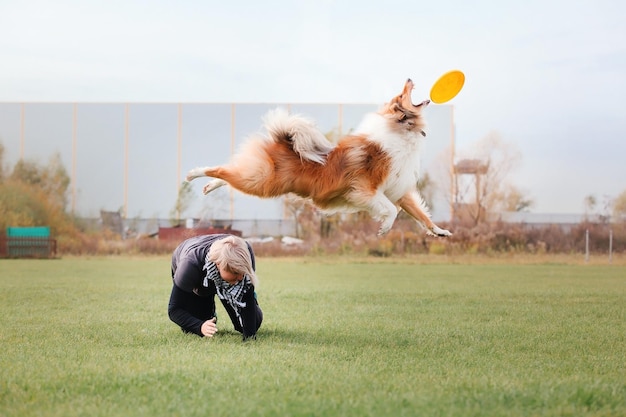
(299, 133)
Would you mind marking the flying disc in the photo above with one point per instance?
(447, 86)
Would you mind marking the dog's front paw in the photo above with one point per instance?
(383, 230)
(437, 231)
(385, 227)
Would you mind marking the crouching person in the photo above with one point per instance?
(210, 265)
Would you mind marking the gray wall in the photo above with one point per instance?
(133, 156)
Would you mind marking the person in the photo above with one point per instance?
(209, 265)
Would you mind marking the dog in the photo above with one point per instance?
(376, 169)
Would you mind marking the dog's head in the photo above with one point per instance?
(403, 113)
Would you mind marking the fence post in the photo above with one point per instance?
(587, 245)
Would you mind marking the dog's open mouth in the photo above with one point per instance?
(411, 111)
(407, 103)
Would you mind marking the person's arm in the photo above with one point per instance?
(250, 316)
(179, 299)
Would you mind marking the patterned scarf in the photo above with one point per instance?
(232, 294)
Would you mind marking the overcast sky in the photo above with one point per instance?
(548, 76)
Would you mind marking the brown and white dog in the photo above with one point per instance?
(375, 169)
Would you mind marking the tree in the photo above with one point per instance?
(426, 188)
(501, 159)
(216, 206)
(183, 202)
(2, 173)
(590, 203)
(481, 179)
(27, 172)
(511, 199)
(295, 206)
(52, 179)
(56, 181)
(34, 195)
(619, 207)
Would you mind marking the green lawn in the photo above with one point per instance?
(91, 337)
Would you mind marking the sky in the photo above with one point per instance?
(547, 76)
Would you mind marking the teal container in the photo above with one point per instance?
(29, 242)
(39, 231)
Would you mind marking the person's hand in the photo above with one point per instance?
(209, 328)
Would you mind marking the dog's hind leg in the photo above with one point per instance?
(414, 205)
(196, 173)
(201, 172)
(213, 185)
(249, 179)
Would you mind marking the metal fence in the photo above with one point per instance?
(139, 227)
(27, 247)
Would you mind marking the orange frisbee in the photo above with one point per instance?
(447, 86)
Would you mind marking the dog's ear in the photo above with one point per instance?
(398, 112)
(401, 114)
(410, 118)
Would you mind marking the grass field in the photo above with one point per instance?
(341, 337)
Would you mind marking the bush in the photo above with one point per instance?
(34, 195)
(24, 205)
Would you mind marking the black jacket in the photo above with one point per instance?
(191, 304)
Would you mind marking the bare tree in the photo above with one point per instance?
(426, 187)
(590, 203)
(56, 180)
(501, 159)
(619, 207)
(295, 206)
(216, 207)
(183, 202)
(511, 198)
(478, 181)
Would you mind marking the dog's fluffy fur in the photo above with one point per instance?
(375, 169)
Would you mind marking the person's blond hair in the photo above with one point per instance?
(232, 254)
